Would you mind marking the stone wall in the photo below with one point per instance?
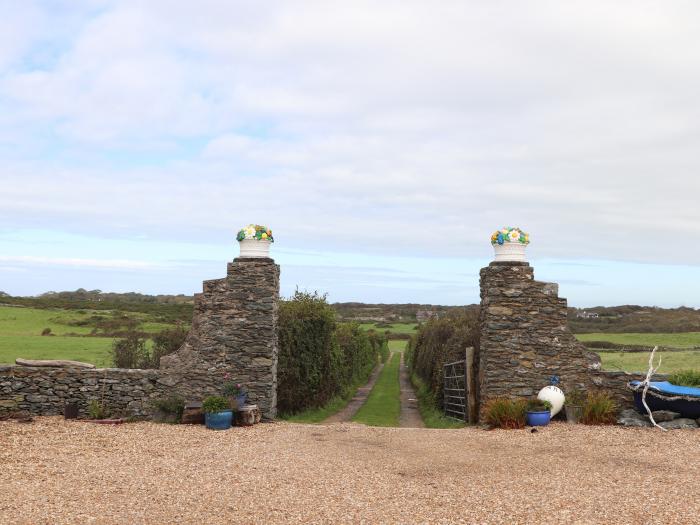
(234, 332)
(525, 338)
(124, 392)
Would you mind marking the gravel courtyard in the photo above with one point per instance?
(54, 471)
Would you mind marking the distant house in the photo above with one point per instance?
(425, 315)
(587, 315)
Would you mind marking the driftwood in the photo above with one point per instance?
(56, 363)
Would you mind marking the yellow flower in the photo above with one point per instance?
(264, 236)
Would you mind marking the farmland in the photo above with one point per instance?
(639, 361)
(80, 335)
(672, 340)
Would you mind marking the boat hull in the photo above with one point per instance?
(686, 403)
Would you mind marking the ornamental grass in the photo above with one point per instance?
(505, 413)
(599, 409)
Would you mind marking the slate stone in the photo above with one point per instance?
(633, 422)
(664, 415)
(681, 422)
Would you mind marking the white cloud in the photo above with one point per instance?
(409, 127)
(110, 264)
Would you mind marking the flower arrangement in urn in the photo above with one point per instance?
(509, 244)
(255, 240)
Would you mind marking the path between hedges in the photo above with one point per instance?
(358, 399)
(410, 416)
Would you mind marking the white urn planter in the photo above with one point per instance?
(510, 251)
(253, 248)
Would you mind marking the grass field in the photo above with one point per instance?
(20, 334)
(639, 361)
(396, 328)
(675, 340)
(383, 406)
(93, 350)
(397, 345)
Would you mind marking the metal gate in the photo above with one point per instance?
(459, 400)
(455, 390)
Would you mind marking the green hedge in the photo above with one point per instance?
(441, 341)
(380, 344)
(318, 357)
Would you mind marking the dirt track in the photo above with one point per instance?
(54, 471)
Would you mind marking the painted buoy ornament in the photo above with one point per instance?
(554, 395)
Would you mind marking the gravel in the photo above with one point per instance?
(55, 471)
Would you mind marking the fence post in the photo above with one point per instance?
(471, 388)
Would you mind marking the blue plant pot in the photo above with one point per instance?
(538, 419)
(219, 420)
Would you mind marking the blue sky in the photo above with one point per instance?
(381, 143)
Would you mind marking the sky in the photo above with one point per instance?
(383, 143)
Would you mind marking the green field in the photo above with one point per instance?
(395, 328)
(397, 345)
(639, 361)
(672, 340)
(93, 350)
(383, 406)
(20, 334)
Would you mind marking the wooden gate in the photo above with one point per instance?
(459, 393)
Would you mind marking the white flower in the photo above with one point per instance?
(514, 235)
(249, 232)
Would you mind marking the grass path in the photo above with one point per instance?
(383, 405)
(359, 399)
(410, 416)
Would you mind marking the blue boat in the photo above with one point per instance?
(663, 395)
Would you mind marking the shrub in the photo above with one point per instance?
(172, 405)
(441, 341)
(166, 342)
(46, 331)
(96, 410)
(575, 398)
(130, 352)
(538, 405)
(599, 409)
(215, 404)
(380, 344)
(318, 357)
(685, 378)
(505, 413)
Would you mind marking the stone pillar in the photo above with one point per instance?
(234, 331)
(525, 338)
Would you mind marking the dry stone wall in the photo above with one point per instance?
(524, 336)
(234, 333)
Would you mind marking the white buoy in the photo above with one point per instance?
(554, 395)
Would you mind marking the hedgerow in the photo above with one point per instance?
(319, 358)
(440, 341)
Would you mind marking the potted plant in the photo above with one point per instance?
(538, 413)
(574, 406)
(254, 241)
(236, 393)
(217, 413)
(509, 244)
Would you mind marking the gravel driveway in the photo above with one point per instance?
(53, 471)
